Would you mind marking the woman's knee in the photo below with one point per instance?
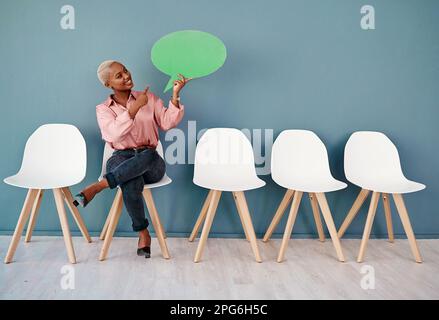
(156, 173)
(133, 187)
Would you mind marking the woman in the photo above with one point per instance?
(129, 122)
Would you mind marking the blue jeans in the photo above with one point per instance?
(131, 170)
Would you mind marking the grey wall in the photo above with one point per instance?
(291, 64)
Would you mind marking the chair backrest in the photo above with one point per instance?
(108, 151)
(56, 150)
(222, 154)
(370, 155)
(298, 155)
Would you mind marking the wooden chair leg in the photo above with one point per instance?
(240, 214)
(105, 227)
(68, 198)
(115, 213)
(278, 215)
(290, 224)
(201, 216)
(157, 217)
(388, 214)
(246, 218)
(321, 198)
(316, 214)
(402, 210)
(107, 221)
(216, 195)
(353, 212)
(368, 226)
(34, 215)
(163, 229)
(64, 224)
(24, 216)
(147, 195)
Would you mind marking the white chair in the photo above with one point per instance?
(224, 161)
(299, 163)
(372, 162)
(116, 208)
(55, 157)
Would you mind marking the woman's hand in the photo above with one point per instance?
(142, 99)
(180, 83)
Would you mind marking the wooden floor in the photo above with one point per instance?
(227, 271)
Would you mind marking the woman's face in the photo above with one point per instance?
(120, 78)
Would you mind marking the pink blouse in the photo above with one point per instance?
(122, 132)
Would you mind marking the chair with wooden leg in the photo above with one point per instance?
(372, 162)
(224, 161)
(299, 163)
(116, 209)
(54, 158)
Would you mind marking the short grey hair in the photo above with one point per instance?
(104, 71)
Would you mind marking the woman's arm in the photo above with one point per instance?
(113, 128)
(178, 85)
(141, 100)
(175, 99)
(167, 118)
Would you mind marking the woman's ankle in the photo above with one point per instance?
(103, 184)
(145, 238)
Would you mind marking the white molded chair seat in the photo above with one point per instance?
(224, 161)
(55, 157)
(231, 181)
(389, 184)
(40, 180)
(116, 208)
(326, 184)
(372, 162)
(299, 163)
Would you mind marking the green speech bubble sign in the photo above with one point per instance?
(192, 53)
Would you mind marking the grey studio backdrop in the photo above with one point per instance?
(291, 64)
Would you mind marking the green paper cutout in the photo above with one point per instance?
(192, 53)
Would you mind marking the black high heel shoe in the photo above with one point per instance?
(145, 251)
(80, 200)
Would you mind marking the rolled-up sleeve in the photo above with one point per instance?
(113, 128)
(169, 117)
